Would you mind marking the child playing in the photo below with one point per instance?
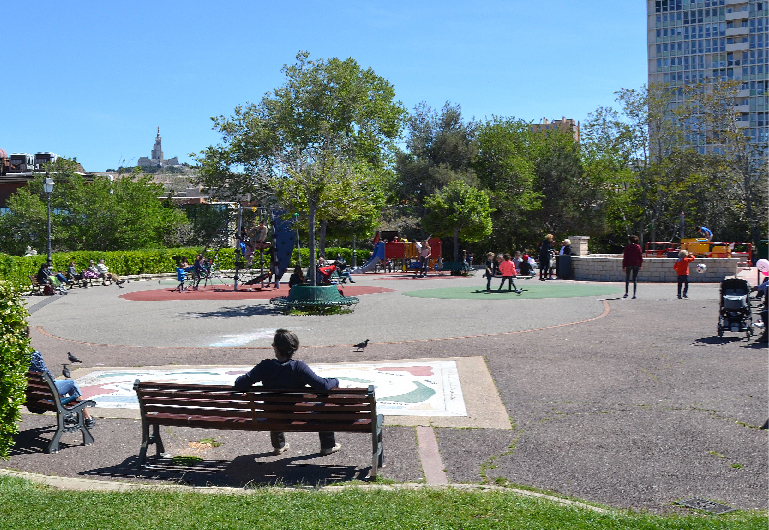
(181, 274)
(507, 268)
(682, 270)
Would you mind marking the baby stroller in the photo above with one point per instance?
(734, 312)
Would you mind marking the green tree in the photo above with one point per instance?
(506, 167)
(24, 224)
(441, 148)
(14, 363)
(459, 211)
(330, 122)
(639, 159)
(737, 166)
(99, 214)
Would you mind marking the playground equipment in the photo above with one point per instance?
(255, 253)
(702, 248)
(404, 251)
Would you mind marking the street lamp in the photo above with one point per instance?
(48, 189)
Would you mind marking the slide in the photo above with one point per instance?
(377, 256)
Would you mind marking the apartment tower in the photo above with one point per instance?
(692, 40)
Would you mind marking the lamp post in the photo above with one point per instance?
(48, 189)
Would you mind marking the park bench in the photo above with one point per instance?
(43, 396)
(258, 409)
(36, 287)
(457, 268)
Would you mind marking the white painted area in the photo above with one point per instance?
(434, 391)
(241, 339)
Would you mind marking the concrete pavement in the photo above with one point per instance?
(629, 403)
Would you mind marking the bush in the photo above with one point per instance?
(14, 363)
(17, 269)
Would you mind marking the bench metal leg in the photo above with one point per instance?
(148, 440)
(377, 457)
(76, 414)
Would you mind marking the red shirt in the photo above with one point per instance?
(507, 268)
(633, 257)
(682, 265)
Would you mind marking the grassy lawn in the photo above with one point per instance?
(24, 505)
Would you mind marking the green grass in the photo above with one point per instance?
(24, 505)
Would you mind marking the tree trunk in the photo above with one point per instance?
(322, 238)
(311, 226)
(456, 245)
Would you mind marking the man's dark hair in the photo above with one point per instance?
(286, 342)
(633, 239)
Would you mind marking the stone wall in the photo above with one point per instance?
(608, 268)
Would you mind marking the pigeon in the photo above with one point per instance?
(361, 345)
(65, 371)
(72, 358)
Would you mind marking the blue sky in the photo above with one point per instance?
(94, 80)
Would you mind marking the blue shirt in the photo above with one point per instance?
(290, 374)
(37, 364)
(706, 232)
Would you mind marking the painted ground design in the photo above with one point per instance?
(532, 289)
(419, 388)
(226, 292)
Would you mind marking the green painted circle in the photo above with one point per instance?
(532, 289)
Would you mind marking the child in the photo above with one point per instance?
(491, 269)
(507, 268)
(285, 372)
(682, 270)
(181, 275)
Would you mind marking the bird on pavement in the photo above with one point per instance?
(65, 371)
(361, 345)
(72, 358)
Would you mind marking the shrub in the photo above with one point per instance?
(14, 363)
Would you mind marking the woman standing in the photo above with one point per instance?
(632, 259)
(546, 250)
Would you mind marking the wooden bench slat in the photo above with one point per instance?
(257, 409)
(214, 422)
(156, 404)
(208, 389)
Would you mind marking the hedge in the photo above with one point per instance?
(17, 269)
(14, 363)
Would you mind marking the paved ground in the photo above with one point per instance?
(630, 403)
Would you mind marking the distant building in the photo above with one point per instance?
(691, 42)
(17, 169)
(563, 124)
(156, 158)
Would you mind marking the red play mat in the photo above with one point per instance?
(223, 292)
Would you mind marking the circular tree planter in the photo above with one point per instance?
(313, 297)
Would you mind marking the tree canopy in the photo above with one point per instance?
(121, 214)
(319, 142)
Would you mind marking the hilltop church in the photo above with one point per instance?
(156, 159)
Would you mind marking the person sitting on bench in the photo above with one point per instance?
(285, 372)
(67, 388)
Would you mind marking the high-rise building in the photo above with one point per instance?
(690, 41)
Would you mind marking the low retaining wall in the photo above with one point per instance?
(608, 268)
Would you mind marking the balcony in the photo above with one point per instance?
(732, 32)
(736, 15)
(738, 47)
